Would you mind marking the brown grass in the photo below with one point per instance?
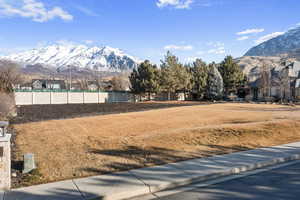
(101, 144)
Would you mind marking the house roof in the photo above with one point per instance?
(26, 85)
(49, 81)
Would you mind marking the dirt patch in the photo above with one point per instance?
(34, 113)
(88, 146)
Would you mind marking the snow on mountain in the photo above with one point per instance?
(79, 56)
(290, 41)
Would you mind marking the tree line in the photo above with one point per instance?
(203, 81)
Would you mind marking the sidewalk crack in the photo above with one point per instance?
(82, 195)
(149, 187)
(156, 196)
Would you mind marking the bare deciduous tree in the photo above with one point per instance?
(9, 76)
(265, 81)
(285, 87)
(119, 83)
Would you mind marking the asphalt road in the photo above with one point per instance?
(282, 183)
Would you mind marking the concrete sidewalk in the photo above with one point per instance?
(152, 179)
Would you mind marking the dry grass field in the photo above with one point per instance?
(100, 144)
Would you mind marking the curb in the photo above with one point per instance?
(197, 179)
(148, 181)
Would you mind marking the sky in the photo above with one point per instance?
(147, 29)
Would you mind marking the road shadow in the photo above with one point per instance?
(164, 173)
(276, 184)
(134, 157)
(49, 194)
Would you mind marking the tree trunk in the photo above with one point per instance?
(169, 95)
(149, 96)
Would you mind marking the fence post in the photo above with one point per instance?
(83, 97)
(31, 97)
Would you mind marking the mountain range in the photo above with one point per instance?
(283, 44)
(81, 60)
(81, 57)
(271, 53)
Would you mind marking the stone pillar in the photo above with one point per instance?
(5, 159)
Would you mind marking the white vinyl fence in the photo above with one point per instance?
(70, 97)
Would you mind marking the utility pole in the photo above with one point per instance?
(70, 74)
(98, 70)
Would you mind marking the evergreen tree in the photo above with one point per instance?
(145, 79)
(168, 81)
(215, 85)
(150, 78)
(199, 78)
(232, 75)
(135, 83)
(174, 76)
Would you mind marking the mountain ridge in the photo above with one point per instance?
(279, 45)
(79, 56)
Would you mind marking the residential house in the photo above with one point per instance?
(25, 86)
(93, 85)
(282, 83)
(42, 84)
(297, 89)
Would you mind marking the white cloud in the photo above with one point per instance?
(216, 48)
(8, 51)
(65, 42)
(251, 31)
(268, 37)
(220, 50)
(243, 38)
(206, 4)
(178, 4)
(178, 47)
(215, 44)
(32, 9)
(88, 42)
(86, 11)
(200, 52)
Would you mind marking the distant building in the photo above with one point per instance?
(93, 85)
(25, 86)
(283, 84)
(297, 88)
(40, 84)
(106, 85)
(76, 86)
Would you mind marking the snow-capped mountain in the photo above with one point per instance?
(286, 43)
(79, 56)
